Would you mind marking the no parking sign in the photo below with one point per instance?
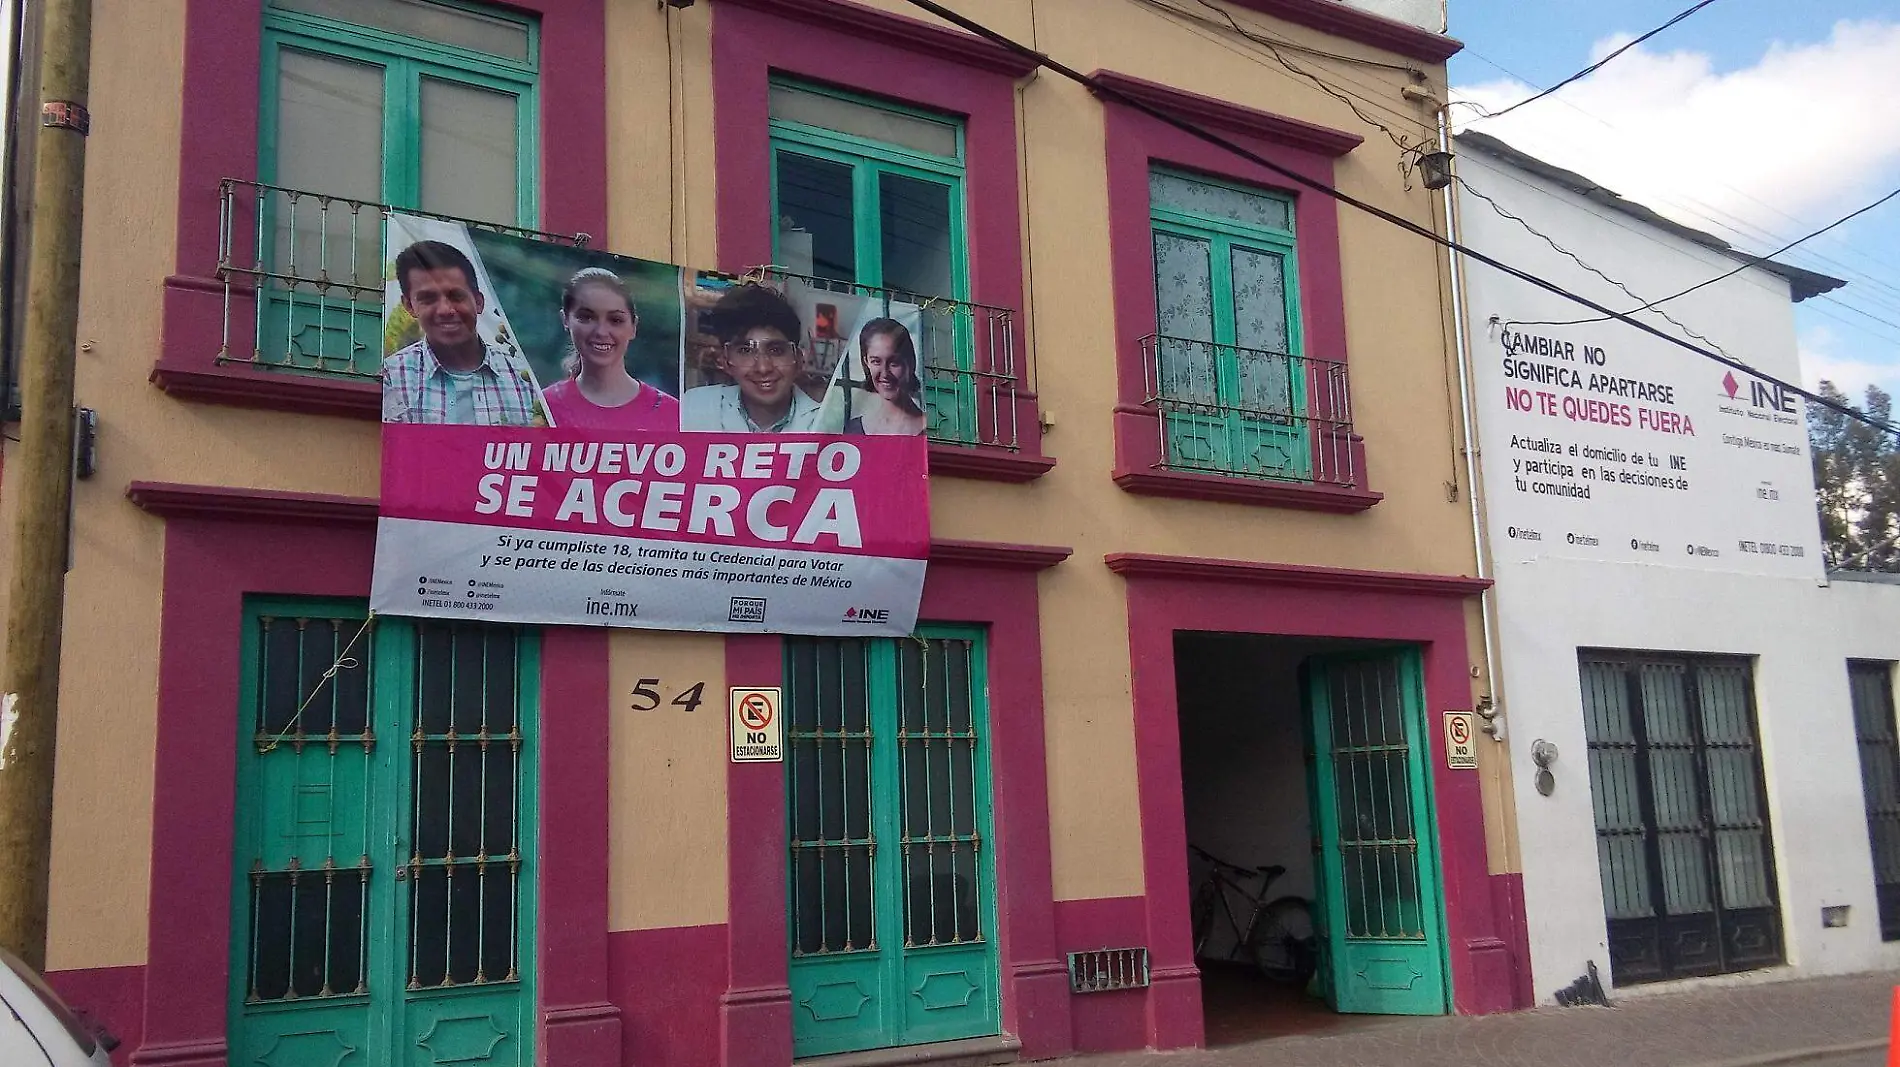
(1461, 750)
(756, 727)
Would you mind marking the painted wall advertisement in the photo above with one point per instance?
(572, 437)
(1641, 454)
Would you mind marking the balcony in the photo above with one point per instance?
(291, 316)
(305, 272)
(1248, 425)
(975, 393)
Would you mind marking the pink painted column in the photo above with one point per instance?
(755, 1012)
(580, 1025)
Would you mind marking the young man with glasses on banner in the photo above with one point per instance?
(758, 335)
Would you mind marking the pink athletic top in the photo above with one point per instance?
(649, 409)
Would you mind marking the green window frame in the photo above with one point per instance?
(322, 310)
(1230, 403)
(879, 173)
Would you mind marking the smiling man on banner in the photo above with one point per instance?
(452, 375)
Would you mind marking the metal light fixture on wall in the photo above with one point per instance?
(1435, 169)
(1543, 753)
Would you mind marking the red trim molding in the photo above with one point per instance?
(1180, 484)
(915, 35)
(219, 139)
(1362, 26)
(1293, 575)
(287, 391)
(997, 554)
(1247, 121)
(174, 500)
(988, 464)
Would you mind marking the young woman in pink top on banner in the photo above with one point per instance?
(598, 393)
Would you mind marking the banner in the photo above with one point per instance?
(572, 437)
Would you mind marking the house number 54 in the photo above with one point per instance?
(646, 695)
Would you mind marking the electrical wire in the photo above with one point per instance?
(1648, 234)
(1751, 262)
(1201, 133)
(1746, 228)
(1260, 35)
(1350, 99)
(1504, 212)
(1598, 65)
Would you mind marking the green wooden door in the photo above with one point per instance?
(892, 914)
(383, 904)
(1380, 902)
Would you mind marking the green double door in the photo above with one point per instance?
(1379, 903)
(383, 898)
(891, 872)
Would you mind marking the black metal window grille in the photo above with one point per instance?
(464, 870)
(883, 739)
(1871, 684)
(1683, 843)
(834, 845)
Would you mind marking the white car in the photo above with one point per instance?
(37, 1029)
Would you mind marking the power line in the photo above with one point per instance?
(1598, 65)
(1750, 262)
(1346, 96)
(1701, 207)
(1500, 210)
(1203, 134)
(1880, 299)
(1259, 35)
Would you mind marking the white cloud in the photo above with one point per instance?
(1822, 359)
(1809, 128)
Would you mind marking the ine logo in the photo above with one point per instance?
(874, 616)
(746, 609)
(1775, 397)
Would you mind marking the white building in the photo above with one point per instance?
(1665, 625)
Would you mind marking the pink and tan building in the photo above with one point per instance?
(1201, 575)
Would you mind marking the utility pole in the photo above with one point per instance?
(41, 475)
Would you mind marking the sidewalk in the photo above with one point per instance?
(1828, 1021)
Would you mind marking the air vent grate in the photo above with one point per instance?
(1104, 970)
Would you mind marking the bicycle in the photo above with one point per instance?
(1277, 937)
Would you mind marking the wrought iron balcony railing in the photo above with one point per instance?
(1249, 412)
(972, 379)
(307, 268)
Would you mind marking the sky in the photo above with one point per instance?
(1757, 120)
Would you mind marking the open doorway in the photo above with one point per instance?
(1314, 887)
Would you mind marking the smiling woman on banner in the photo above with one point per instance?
(890, 369)
(598, 394)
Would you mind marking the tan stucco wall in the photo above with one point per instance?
(668, 787)
(668, 784)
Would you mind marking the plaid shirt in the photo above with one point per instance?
(417, 389)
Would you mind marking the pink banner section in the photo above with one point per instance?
(755, 533)
(808, 492)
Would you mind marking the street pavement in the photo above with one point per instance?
(1825, 1022)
